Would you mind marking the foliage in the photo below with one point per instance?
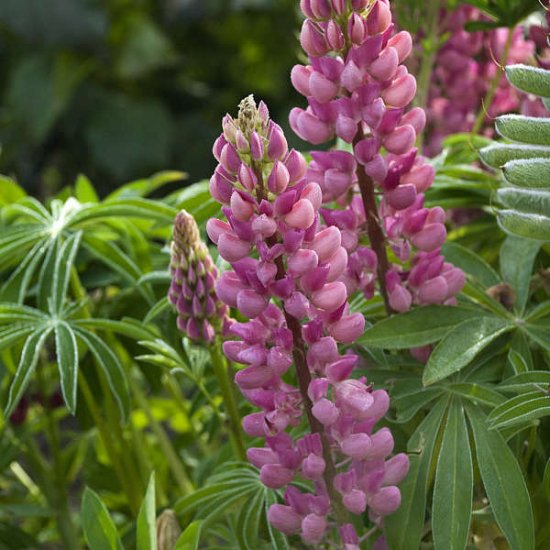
(525, 197)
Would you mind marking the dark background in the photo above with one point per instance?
(120, 89)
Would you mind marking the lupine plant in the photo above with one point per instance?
(345, 347)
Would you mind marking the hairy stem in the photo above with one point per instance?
(488, 100)
(374, 226)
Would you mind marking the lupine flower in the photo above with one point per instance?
(359, 90)
(286, 279)
(200, 313)
(465, 68)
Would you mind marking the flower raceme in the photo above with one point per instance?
(286, 278)
(200, 313)
(358, 89)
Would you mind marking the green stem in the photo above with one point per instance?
(431, 42)
(65, 525)
(134, 499)
(174, 461)
(122, 461)
(230, 402)
(488, 101)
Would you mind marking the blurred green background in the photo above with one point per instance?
(119, 89)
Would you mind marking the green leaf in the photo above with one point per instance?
(17, 313)
(84, 190)
(471, 263)
(498, 154)
(521, 409)
(248, 524)
(127, 207)
(62, 271)
(527, 381)
(461, 345)
(520, 346)
(546, 480)
(518, 363)
(16, 287)
(532, 80)
(190, 538)
(532, 173)
(27, 364)
(10, 191)
(11, 335)
(524, 129)
(516, 265)
(453, 488)
(158, 309)
(477, 393)
(99, 530)
(146, 522)
(110, 254)
(45, 279)
(538, 333)
(127, 327)
(403, 529)
(529, 226)
(417, 327)
(532, 201)
(67, 361)
(504, 484)
(111, 367)
(143, 187)
(539, 311)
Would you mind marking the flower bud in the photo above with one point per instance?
(313, 528)
(401, 92)
(348, 328)
(284, 518)
(301, 215)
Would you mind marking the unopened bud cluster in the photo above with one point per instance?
(200, 313)
(359, 90)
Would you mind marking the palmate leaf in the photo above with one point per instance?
(27, 364)
(461, 345)
(503, 482)
(111, 367)
(236, 484)
(453, 487)
(403, 529)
